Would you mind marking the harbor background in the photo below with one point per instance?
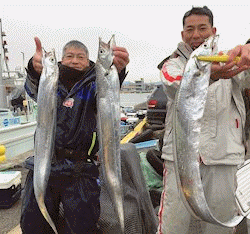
(132, 99)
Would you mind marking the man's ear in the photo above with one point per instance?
(182, 35)
(214, 30)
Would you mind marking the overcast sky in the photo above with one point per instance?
(150, 32)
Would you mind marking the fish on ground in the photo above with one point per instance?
(189, 109)
(108, 114)
(45, 131)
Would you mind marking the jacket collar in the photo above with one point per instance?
(183, 50)
(69, 76)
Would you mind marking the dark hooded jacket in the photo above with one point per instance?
(76, 106)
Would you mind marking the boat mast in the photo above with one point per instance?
(3, 99)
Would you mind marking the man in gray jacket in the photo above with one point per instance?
(222, 148)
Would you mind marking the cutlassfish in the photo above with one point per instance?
(108, 115)
(45, 131)
(189, 108)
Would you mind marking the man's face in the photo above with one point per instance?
(75, 58)
(196, 29)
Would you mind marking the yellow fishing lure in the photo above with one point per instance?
(217, 58)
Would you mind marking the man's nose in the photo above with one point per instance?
(196, 33)
(75, 59)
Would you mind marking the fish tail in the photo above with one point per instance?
(46, 215)
(120, 211)
(117, 197)
(121, 219)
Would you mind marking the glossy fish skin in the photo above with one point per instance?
(108, 112)
(189, 109)
(45, 131)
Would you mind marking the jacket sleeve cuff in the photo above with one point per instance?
(33, 74)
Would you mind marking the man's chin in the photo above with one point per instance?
(77, 68)
(195, 47)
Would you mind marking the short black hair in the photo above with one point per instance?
(199, 11)
(248, 41)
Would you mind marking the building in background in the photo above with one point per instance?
(138, 86)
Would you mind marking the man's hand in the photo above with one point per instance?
(121, 58)
(231, 68)
(225, 71)
(244, 52)
(37, 58)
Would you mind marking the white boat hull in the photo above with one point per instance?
(17, 139)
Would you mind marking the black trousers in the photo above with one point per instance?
(78, 194)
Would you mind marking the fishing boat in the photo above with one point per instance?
(17, 110)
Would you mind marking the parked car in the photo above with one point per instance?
(157, 106)
(128, 109)
(132, 118)
(141, 114)
(123, 117)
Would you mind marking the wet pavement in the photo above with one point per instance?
(10, 217)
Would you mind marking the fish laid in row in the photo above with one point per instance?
(45, 131)
(189, 109)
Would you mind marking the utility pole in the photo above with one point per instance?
(3, 99)
(23, 68)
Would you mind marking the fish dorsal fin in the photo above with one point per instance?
(112, 42)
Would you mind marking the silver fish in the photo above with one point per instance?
(189, 109)
(45, 131)
(108, 112)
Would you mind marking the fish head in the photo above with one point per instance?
(208, 47)
(50, 66)
(105, 52)
(50, 58)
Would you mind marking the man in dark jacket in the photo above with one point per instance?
(73, 181)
